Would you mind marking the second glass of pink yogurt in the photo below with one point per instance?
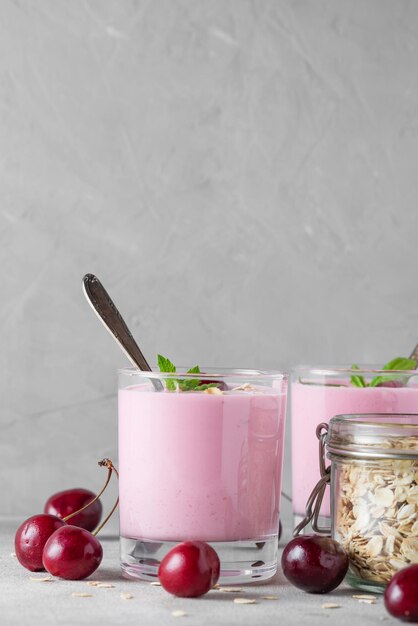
(202, 464)
(318, 394)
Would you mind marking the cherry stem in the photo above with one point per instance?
(111, 468)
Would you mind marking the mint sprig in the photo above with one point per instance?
(356, 380)
(172, 384)
(400, 363)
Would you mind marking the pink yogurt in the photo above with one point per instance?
(313, 404)
(200, 466)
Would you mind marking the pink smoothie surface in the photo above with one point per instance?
(200, 466)
(313, 404)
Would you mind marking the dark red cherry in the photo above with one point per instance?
(219, 383)
(401, 594)
(72, 553)
(66, 502)
(190, 569)
(315, 564)
(31, 537)
(391, 383)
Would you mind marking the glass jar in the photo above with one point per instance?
(374, 493)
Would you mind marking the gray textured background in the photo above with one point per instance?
(241, 175)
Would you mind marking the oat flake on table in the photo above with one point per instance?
(367, 601)
(245, 601)
(81, 595)
(178, 613)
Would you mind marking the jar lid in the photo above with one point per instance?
(373, 435)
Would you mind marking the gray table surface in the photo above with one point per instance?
(24, 602)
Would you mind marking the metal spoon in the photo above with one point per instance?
(105, 309)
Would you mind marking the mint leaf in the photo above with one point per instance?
(171, 384)
(356, 380)
(166, 365)
(400, 363)
(190, 385)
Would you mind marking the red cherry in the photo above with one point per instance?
(401, 594)
(66, 502)
(391, 383)
(314, 564)
(219, 383)
(31, 537)
(72, 553)
(190, 569)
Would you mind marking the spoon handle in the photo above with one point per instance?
(104, 307)
(414, 353)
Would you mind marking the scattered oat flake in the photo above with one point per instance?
(12, 553)
(93, 583)
(81, 595)
(330, 605)
(44, 579)
(244, 387)
(270, 597)
(245, 601)
(363, 596)
(104, 586)
(367, 601)
(155, 584)
(178, 613)
(126, 596)
(230, 589)
(216, 586)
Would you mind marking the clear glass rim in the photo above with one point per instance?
(208, 373)
(339, 370)
(374, 420)
(373, 436)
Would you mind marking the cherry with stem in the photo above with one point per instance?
(33, 533)
(74, 553)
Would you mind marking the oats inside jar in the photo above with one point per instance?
(376, 512)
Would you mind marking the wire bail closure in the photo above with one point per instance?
(313, 506)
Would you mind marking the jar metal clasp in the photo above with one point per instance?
(313, 506)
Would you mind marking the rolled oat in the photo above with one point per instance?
(376, 517)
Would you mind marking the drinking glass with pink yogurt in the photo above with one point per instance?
(319, 393)
(203, 464)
